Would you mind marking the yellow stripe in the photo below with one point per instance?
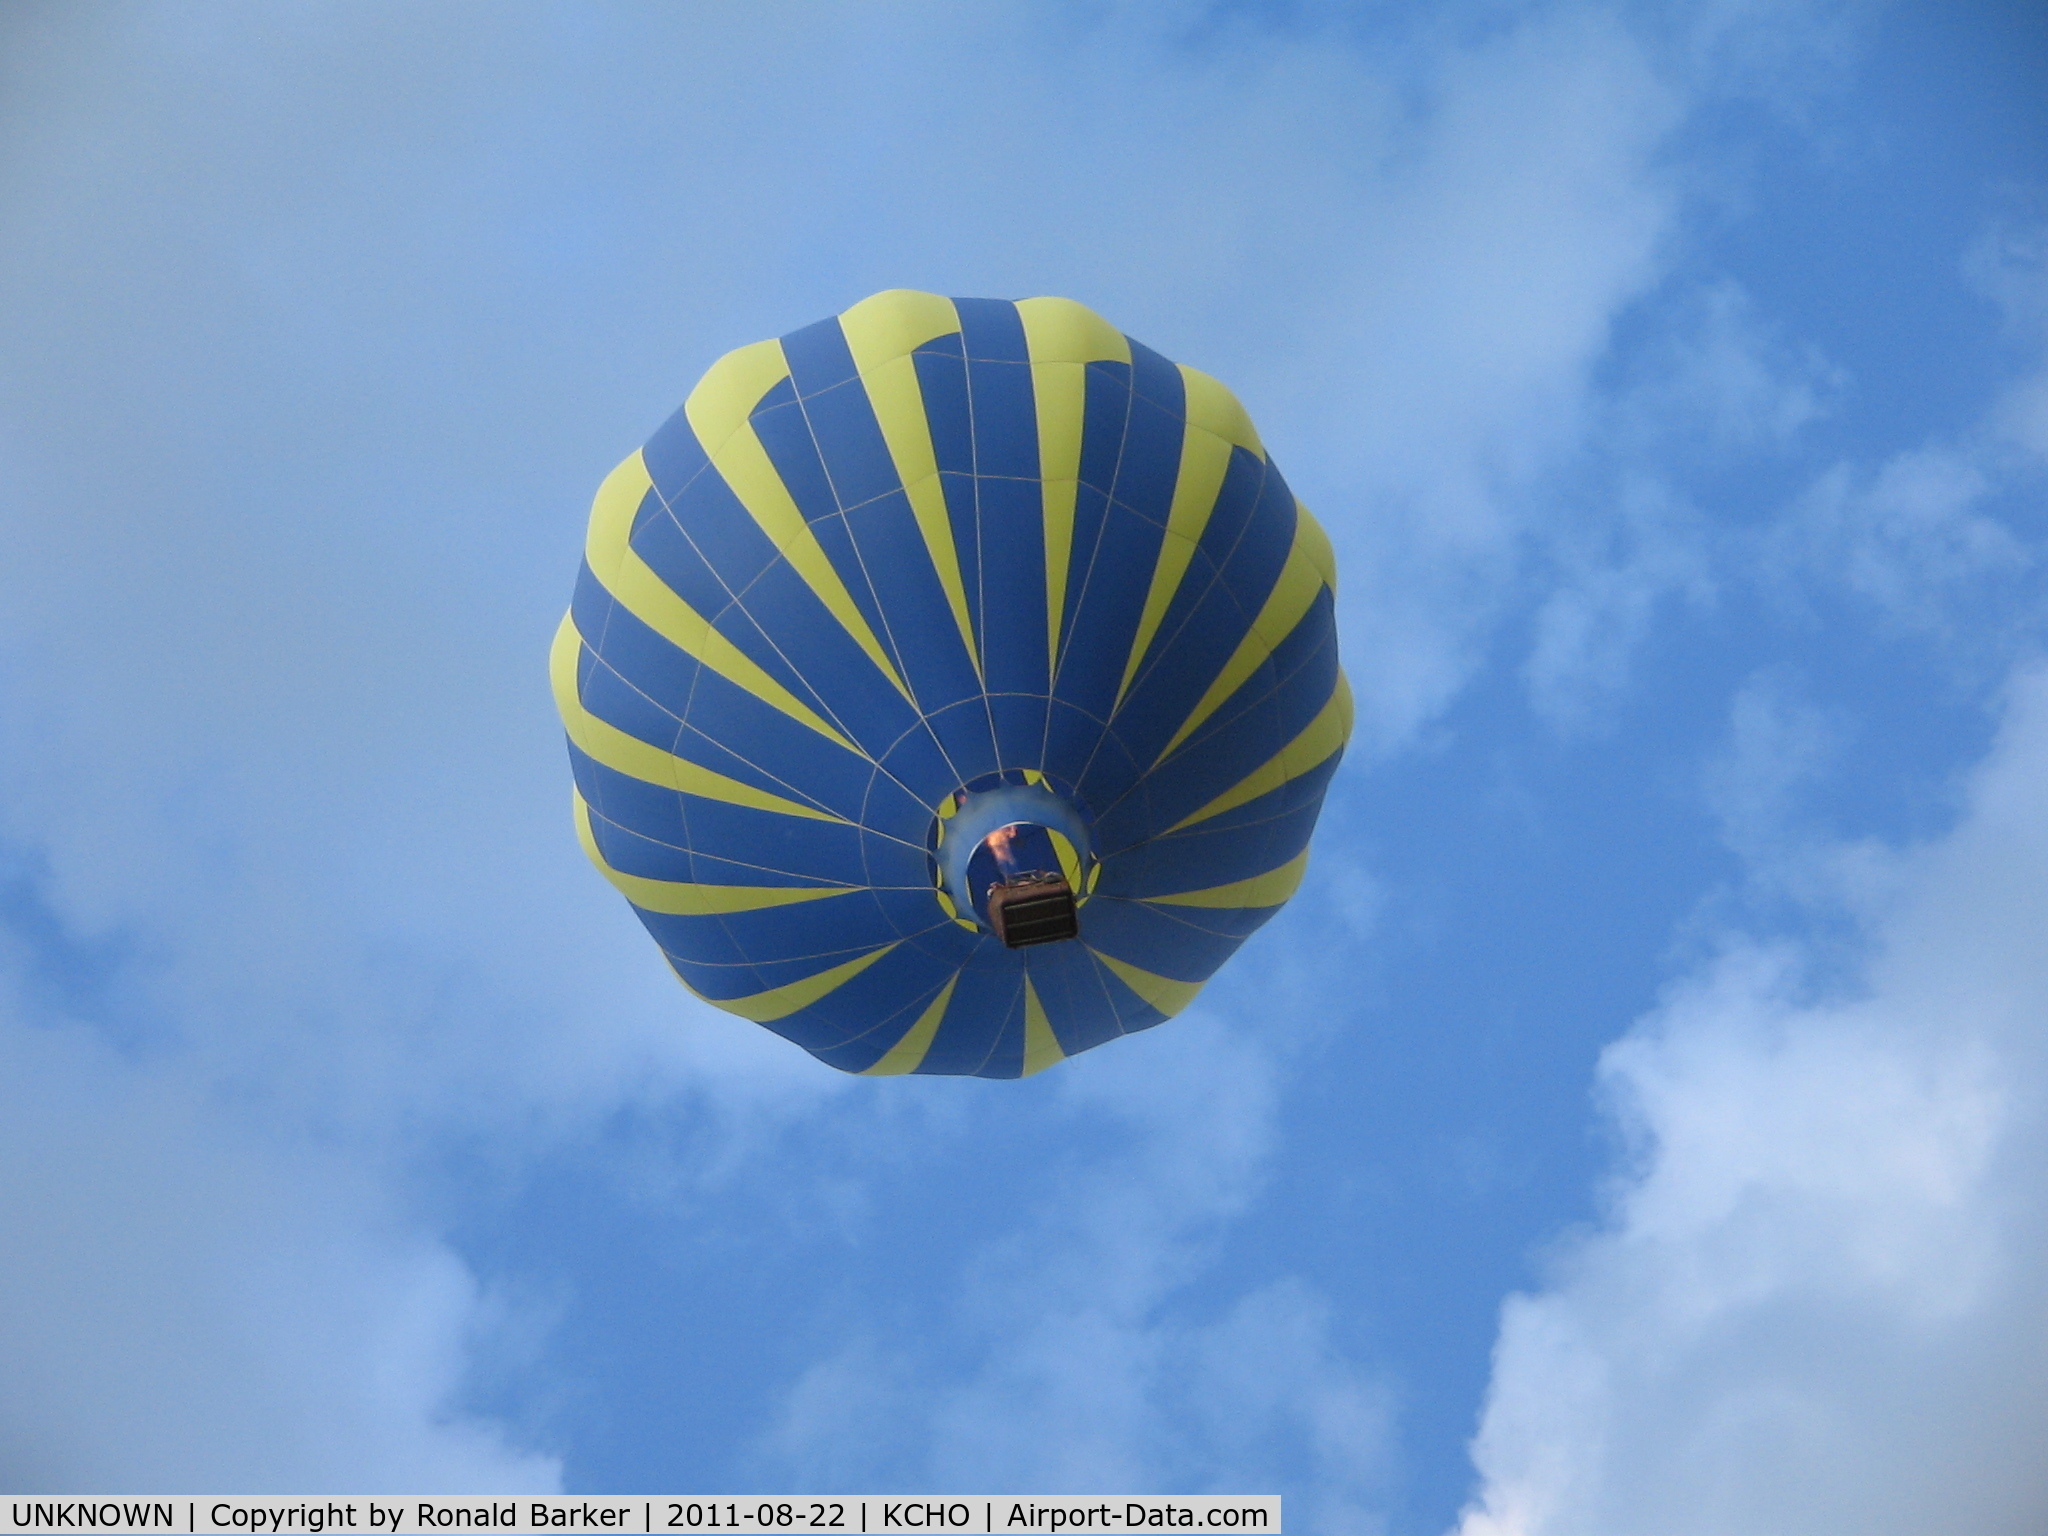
(637, 759)
(1168, 996)
(1041, 1046)
(649, 599)
(1063, 338)
(1267, 890)
(908, 1054)
(781, 1002)
(1070, 861)
(1310, 567)
(1323, 735)
(895, 323)
(682, 898)
(612, 512)
(881, 333)
(1215, 424)
(1212, 407)
(1310, 538)
(718, 409)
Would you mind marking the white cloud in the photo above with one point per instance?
(186, 1305)
(1723, 380)
(1073, 1359)
(1819, 1302)
(1916, 537)
(1942, 538)
(2009, 265)
(1613, 579)
(1711, 384)
(1488, 260)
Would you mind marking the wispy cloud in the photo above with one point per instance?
(1086, 1346)
(188, 1303)
(1816, 1302)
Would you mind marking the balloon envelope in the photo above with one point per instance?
(912, 599)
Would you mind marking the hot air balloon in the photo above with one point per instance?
(951, 686)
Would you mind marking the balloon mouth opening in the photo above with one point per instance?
(1014, 860)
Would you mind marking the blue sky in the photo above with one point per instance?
(1635, 1124)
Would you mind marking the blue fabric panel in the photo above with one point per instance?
(1236, 530)
(968, 739)
(1105, 409)
(818, 357)
(848, 1013)
(780, 625)
(1145, 936)
(1132, 1011)
(764, 842)
(919, 620)
(952, 946)
(827, 851)
(591, 607)
(713, 520)
(916, 762)
(745, 976)
(850, 439)
(1219, 757)
(1019, 721)
(1271, 831)
(1150, 463)
(674, 457)
(1010, 585)
(786, 436)
(1112, 776)
(785, 433)
(963, 515)
(1275, 705)
(818, 773)
(818, 660)
(1072, 738)
(942, 381)
(631, 854)
(1116, 573)
(625, 646)
(1198, 856)
(837, 541)
(611, 699)
(755, 741)
(892, 816)
(988, 1003)
(677, 557)
(1222, 749)
(1295, 794)
(806, 935)
(902, 874)
(1209, 615)
(1233, 924)
(1069, 985)
(992, 329)
(877, 549)
(1169, 686)
(780, 754)
(1269, 534)
(873, 1040)
(999, 370)
(711, 869)
(915, 913)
